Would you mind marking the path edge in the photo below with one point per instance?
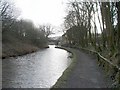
(62, 80)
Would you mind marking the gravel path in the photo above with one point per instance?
(86, 73)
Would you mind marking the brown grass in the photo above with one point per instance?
(17, 48)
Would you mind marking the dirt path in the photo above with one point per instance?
(85, 74)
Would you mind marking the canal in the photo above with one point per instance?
(36, 70)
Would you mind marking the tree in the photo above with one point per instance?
(46, 29)
(118, 31)
(82, 22)
(80, 15)
(70, 20)
(7, 10)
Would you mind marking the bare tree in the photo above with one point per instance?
(118, 31)
(8, 13)
(46, 29)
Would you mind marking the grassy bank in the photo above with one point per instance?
(62, 80)
(18, 48)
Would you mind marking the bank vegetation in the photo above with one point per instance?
(95, 26)
(20, 36)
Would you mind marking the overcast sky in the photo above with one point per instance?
(43, 11)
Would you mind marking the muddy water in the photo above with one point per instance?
(37, 70)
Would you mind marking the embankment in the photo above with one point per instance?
(18, 48)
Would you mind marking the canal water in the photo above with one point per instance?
(37, 70)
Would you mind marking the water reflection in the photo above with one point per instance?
(36, 70)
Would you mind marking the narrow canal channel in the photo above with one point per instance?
(37, 70)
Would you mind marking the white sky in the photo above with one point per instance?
(42, 11)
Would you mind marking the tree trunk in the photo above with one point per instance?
(104, 35)
(118, 41)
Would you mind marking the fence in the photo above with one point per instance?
(108, 63)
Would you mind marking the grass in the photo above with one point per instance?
(61, 82)
(16, 47)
